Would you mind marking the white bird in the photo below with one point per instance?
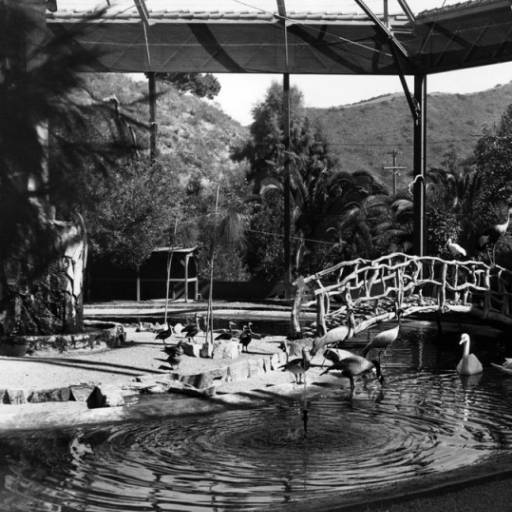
(493, 234)
(384, 338)
(469, 364)
(418, 177)
(335, 336)
(456, 249)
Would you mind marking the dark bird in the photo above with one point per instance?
(255, 335)
(492, 235)
(192, 330)
(335, 336)
(456, 250)
(174, 353)
(245, 338)
(384, 338)
(335, 355)
(165, 334)
(298, 366)
(229, 333)
(356, 366)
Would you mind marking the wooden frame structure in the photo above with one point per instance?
(413, 283)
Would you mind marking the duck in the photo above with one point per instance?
(384, 338)
(356, 366)
(298, 366)
(469, 363)
(455, 249)
(227, 334)
(335, 336)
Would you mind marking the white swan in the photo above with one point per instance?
(469, 364)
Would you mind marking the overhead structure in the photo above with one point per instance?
(250, 39)
(271, 36)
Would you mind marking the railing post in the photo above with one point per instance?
(321, 327)
(487, 297)
(442, 299)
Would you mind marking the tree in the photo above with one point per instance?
(265, 153)
(38, 72)
(203, 85)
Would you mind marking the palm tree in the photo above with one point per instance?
(37, 81)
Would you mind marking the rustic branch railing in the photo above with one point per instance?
(414, 283)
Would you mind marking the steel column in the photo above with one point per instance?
(152, 116)
(419, 162)
(287, 208)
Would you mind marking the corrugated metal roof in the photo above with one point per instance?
(253, 40)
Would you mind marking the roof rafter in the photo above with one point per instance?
(407, 10)
(385, 30)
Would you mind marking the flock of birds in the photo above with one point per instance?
(345, 363)
(190, 331)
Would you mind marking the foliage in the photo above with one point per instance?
(203, 85)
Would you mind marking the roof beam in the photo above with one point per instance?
(385, 30)
(407, 10)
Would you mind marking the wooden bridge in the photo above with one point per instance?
(373, 288)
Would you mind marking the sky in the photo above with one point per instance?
(240, 93)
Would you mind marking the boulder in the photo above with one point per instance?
(191, 349)
(225, 349)
(109, 396)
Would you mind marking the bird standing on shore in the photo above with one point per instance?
(165, 334)
(456, 250)
(175, 354)
(192, 330)
(245, 338)
(299, 366)
(227, 334)
(469, 363)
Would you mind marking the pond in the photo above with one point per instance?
(426, 419)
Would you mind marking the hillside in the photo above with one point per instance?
(364, 133)
(194, 136)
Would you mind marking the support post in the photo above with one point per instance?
(137, 284)
(187, 256)
(419, 162)
(287, 208)
(152, 116)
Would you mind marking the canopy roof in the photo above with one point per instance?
(138, 36)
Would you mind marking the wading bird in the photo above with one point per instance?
(356, 366)
(492, 235)
(335, 355)
(384, 338)
(165, 334)
(335, 336)
(469, 363)
(192, 330)
(229, 333)
(299, 366)
(245, 338)
(456, 250)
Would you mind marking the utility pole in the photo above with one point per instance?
(395, 169)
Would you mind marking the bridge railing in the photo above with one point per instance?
(426, 282)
